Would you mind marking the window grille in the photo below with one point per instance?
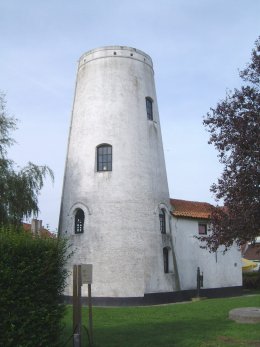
(162, 222)
(166, 259)
(149, 108)
(79, 221)
(104, 158)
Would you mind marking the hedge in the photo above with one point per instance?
(251, 280)
(32, 279)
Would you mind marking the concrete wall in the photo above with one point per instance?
(219, 270)
(121, 233)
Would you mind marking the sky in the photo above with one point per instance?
(197, 48)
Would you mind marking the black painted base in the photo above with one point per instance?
(160, 298)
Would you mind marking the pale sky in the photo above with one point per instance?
(197, 47)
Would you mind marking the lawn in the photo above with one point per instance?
(194, 324)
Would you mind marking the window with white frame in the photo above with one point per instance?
(104, 157)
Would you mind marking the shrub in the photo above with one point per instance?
(251, 280)
(32, 279)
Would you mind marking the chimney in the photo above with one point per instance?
(36, 226)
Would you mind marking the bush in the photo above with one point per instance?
(251, 280)
(32, 279)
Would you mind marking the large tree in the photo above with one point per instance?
(19, 188)
(234, 131)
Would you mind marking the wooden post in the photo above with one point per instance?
(81, 274)
(75, 314)
(90, 316)
(198, 282)
(76, 306)
(79, 302)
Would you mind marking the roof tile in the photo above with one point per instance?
(191, 209)
(252, 252)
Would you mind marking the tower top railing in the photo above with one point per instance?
(117, 52)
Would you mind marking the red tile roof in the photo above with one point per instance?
(252, 252)
(191, 209)
(43, 232)
(27, 226)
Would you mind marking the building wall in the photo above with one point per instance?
(121, 233)
(219, 270)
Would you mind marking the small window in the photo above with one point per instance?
(166, 260)
(104, 158)
(202, 229)
(149, 108)
(162, 221)
(79, 221)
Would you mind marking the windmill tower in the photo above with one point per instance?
(115, 201)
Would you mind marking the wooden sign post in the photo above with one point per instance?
(76, 305)
(82, 274)
(86, 271)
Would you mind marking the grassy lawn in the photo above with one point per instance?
(193, 324)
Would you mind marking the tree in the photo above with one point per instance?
(234, 131)
(19, 188)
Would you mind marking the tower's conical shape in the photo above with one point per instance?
(115, 202)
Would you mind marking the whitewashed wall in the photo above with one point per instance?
(219, 270)
(121, 234)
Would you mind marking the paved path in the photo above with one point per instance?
(245, 315)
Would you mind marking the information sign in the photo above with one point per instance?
(86, 273)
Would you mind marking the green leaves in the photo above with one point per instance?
(7, 124)
(32, 279)
(19, 188)
(234, 127)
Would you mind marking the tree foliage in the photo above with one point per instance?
(234, 131)
(19, 188)
(32, 281)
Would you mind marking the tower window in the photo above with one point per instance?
(79, 221)
(149, 108)
(104, 158)
(166, 260)
(162, 221)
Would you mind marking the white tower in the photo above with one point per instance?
(115, 202)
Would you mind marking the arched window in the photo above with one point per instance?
(166, 259)
(149, 108)
(104, 158)
(162, 221)
(79, 221)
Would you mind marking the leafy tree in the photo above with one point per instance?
(19, 188)
(32, 281)
(234, 131)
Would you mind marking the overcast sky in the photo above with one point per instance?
(197, 47)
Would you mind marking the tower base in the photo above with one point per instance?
(160, 298)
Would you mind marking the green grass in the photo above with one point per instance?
(196, 324)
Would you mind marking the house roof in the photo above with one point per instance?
(252, 252)
(43, 232)
(191, 209)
